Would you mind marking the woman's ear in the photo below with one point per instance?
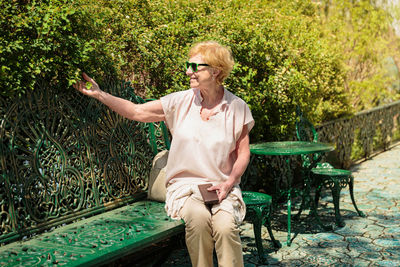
(216, 72)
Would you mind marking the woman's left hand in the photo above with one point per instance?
(222, 189)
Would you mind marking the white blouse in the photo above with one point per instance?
(203, 151)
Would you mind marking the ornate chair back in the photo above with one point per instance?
(305, 131)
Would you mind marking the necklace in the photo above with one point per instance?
(206, 117)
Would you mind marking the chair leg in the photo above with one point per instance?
(317, 196)
(305, 193)
(257, 223)
(351, 184)
(276, 243)
(302, 205)
(336, 202)
(314, 209)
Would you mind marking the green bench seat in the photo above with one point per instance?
(100, 239)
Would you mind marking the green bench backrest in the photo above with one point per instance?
(64, 156)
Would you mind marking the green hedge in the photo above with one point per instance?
(281, 59)
(45, 41)
(285, 54)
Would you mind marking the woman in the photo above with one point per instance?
(210, 144)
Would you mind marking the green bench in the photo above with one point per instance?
(74, 180)
(74, 177)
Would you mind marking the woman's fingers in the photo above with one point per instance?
(88, 86)
(213, 188)
(93, 85)
(87, 78)
(221, 195)
(78, 86)
(222, 190)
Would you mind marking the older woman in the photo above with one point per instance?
(210, 144)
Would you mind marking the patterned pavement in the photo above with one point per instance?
(370, 241)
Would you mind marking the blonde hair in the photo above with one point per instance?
(215, 55)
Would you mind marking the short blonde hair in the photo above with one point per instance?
(215, 55)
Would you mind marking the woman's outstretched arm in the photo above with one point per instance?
(147, 112)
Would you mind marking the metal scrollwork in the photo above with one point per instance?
(62, 153)
(371, 130)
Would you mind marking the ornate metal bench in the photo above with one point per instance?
(73, 182)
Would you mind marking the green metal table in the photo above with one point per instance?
(290, 148)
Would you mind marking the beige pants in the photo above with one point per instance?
(204, 231)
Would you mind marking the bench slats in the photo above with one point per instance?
(96, 240)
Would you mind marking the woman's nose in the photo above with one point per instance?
(189, 71)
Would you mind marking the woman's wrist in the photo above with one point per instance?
(101, 96)
(232, 181)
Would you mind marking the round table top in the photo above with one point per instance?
(289, 148)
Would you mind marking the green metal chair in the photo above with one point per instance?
(324, 174)
(259, 210)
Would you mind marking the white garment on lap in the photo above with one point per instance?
(180, 189)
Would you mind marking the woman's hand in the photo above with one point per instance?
(88, 87)
(222, 189)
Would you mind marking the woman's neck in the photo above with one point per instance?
(212, 96)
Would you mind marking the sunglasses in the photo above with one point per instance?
(194, 66)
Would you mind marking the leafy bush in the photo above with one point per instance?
(45, 40)
(361, 30)
(287, 53)
(281, 61)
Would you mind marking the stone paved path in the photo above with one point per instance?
(370, 241)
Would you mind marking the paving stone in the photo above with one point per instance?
(373, 231)
(394, 253)
(361, 245)
(384, 204)
(387, 242)
(389, 263)
(340, 254)
(389, 221)
(314, 250)
(353, 253)
(329, 237)
(366, 206)
(372, 256)
(290, 263)
(358, 229)
(393, 231)
(311, 240)
(346, 230)
(294, 255)
(353, 239)
(359, 262)
(274, 258)
(333, 244)
(324, 260)
(385, 254)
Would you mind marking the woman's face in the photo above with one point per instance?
(203, 77)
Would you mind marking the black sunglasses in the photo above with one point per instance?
(194, 66)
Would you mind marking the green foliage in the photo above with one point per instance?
(281, 61)
(361, 31)
(288, 53)
(43, 40)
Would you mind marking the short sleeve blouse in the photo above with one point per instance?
(203, 149)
